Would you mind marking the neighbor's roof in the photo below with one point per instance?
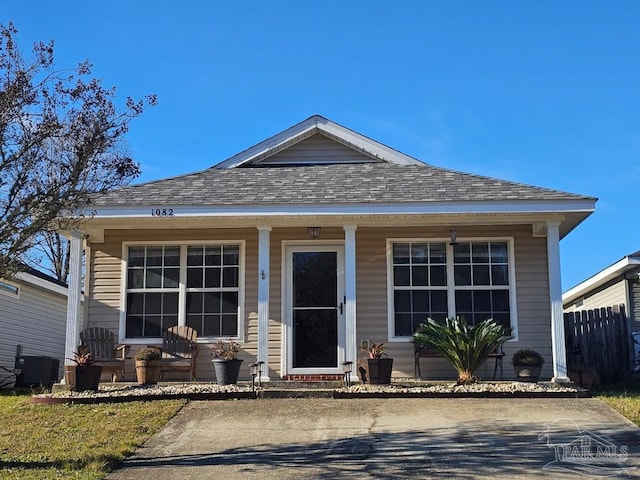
(617, 269)
(367, 183)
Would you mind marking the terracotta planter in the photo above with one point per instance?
(527, 373)
(82, 377)
(375, 371)
(227, 371)
(148, 371)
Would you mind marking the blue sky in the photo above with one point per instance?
(540, 92)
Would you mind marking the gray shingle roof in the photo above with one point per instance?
(326, 184)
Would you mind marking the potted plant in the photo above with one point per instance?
(148, 360)
(527, 364)
(83, 375)
(374, 369)
(226, 362)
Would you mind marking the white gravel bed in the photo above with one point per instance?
(480, 387)
(110, 391)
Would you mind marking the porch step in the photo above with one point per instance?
(303, 384)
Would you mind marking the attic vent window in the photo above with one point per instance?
(9, 289)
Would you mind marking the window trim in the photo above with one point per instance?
(182, 288)
(450, 286)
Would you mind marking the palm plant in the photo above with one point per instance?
(464, 347)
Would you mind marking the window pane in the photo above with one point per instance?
(402, 300)
(462, 274)
(194, 302)
(135, 278)
(212, 302)
(499, 252)
(153, 326)
(499, 275)
(501, 301)
(169, 321)
(230, 302)
(213, 255)
(480, 253)
(154, 256)
(482, 301)
(134, 326)
(400, 253)
(194, 277)
(211, 327)
(136, 256)
(438, 253)
(170, 303)
(439, 301)
(172, 256)
(231, 255)
(401, 276)
(420, 301)
(152, 303)
(464, 302)
(212, 278)
(419, 252)
(229, 277)
(171, 277)
(194, 256)
(135, 303)
(230, 325)
(481, 275)
(420, 276)
(403, 324)
(461, 253)
(438, 275)
(153, 278)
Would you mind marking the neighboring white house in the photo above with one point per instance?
(617, 284)
(33, 312)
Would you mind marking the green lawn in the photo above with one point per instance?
(74, 441)
(623, 397)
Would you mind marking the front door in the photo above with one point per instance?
(315, 309)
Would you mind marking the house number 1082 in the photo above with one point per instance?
(162, 212)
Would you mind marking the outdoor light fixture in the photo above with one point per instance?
(454, 236)
(347, 368)
(260, 364)
(254, 373)
(314, 232)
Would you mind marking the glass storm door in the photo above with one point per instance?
(315, 308)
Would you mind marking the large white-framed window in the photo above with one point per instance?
(199, 284)
(473, 278)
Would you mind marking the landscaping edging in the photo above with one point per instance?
(350, 395)
(50, 400)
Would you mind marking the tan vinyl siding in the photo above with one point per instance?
(36, 320)
(532, 290)
(317, 149)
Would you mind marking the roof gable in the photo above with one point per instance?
(370, 150)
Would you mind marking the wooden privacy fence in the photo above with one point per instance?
(599, 340)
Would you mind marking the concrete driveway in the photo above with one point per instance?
(390, 439)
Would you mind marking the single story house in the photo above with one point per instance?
(617, 284)
(311, 244)
(33, 317)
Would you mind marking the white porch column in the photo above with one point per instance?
(351, 348)
(74, 317)
(264, 244)
(555, 297)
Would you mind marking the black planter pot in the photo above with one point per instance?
(528, 373)
(227, 371)
(83, 377)
(375, 371)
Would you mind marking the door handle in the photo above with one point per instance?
(340, 307)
